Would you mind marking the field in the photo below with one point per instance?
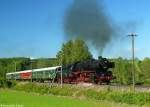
(10, 98)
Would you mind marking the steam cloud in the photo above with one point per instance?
(86, 19)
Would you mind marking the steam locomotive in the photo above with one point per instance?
(89, 71)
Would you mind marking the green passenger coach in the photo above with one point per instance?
(41, 74)
(45, 73)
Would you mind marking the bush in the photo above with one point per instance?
(7, 84)
(95, 95)
(1, 83)
(65, 91)
(139, 98)
(128, 97)
(44, 89)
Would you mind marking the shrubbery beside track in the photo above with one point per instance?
(129, 97)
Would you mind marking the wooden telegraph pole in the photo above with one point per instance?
(61, 72)
(132, 35)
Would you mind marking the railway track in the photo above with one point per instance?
(122, 87)
(100, 87)
(105, 87)
(127, 87)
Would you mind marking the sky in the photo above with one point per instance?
(34, 28)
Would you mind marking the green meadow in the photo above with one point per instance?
(9, 98)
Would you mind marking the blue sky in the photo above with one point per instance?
(34, 28)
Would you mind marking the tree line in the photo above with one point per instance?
(21, 63)
(123, 71)
(77, 50)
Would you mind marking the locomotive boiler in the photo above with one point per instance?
(96, 71)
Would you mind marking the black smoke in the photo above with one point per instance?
(87, 19)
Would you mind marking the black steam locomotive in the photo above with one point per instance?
(89, 71)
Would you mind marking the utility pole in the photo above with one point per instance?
(132, 35)
(15, 66)
(61, 70)
(31, 67)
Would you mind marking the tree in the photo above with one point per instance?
(73, 51)
(122, 71)
(145, 67)
(11, 65)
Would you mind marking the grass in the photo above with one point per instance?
(118, 96)
(9, 97)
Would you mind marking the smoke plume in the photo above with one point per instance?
(86, 19)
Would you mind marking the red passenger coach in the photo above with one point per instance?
(26, 74)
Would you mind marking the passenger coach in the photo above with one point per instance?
(35, 74)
